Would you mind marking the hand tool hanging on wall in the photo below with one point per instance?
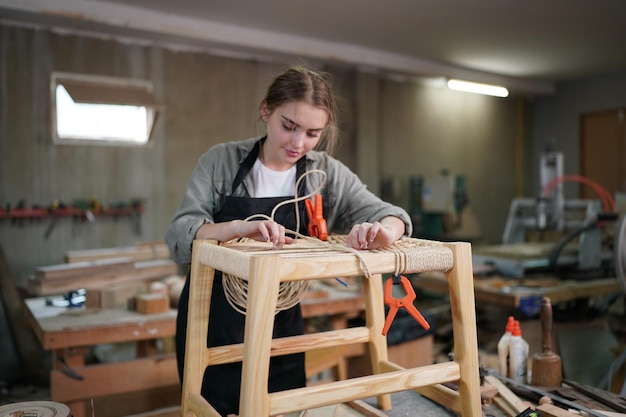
(56, 205)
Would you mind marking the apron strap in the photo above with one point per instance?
(248, 163)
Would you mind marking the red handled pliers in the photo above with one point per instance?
(317, 223)
(405, 302)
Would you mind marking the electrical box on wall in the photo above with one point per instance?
(438, 193)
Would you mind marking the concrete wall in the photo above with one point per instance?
(391, 129)
(425, 130)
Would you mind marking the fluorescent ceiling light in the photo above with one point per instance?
(488, 89)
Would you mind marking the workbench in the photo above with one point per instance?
(69, 333)
(523, 294)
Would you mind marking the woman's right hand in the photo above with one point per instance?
(260, 230)
(265, 231)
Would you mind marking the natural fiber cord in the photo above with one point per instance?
(412, 256)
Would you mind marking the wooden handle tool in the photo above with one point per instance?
(546, 366)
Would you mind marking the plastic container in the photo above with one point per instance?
(503, 348)
(518, 355)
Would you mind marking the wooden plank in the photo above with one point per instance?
(57, 327)
(504, 406)
(115, 296)
(438, 393)
(609, 399)
(572, 290)
(522, 251)
(134, 331)
(607, 413)
(319, 360)
(490, 290)
(146, 271)
(323, 263)
(551, 410)
(82, 269)
(365, 409)
(442, 395)
(114, 378)
(503, 391)
(355, 408)
(352, 389)
(141, 252)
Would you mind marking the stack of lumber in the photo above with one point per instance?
(140, 252)
(509, 403)
(104, 269)
(569, 400)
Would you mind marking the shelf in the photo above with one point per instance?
(44, 213)
(76, 212)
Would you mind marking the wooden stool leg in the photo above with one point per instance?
(200, 289)
(461, 285)
(375, 321)
(342, 369)
(262, 299)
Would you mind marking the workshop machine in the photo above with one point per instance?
(574, 239)
(438, 206)
(551, 232)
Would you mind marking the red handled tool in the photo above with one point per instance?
(405, 302)
(317, 223)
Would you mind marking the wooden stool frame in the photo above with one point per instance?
(265, 269)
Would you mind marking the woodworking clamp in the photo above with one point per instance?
(405, 302)
(317, 223)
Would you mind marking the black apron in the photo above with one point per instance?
(221, 384)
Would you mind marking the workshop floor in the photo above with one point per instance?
(404, 404)
(571, 335)
(21, 392)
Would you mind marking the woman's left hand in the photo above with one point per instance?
(375, 235)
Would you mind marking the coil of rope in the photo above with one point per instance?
(290, 293)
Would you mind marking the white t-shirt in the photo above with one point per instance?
(270, 183)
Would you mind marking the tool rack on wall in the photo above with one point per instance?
(81, 210)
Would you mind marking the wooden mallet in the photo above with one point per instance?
(546, 370)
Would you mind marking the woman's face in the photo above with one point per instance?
(293, 129)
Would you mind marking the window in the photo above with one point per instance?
(102, 110)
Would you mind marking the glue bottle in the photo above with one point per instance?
(503, 348)
(518, 355)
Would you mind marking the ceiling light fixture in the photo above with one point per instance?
(469, 87)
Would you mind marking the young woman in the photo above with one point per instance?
(236, 180)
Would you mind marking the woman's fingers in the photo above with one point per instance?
(359, 236)
(369, 236)
(270, 231)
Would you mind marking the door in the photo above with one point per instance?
(603, 151)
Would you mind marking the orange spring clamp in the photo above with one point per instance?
(405, 302)
(317, 223)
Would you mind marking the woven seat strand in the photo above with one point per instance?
(412, 256)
